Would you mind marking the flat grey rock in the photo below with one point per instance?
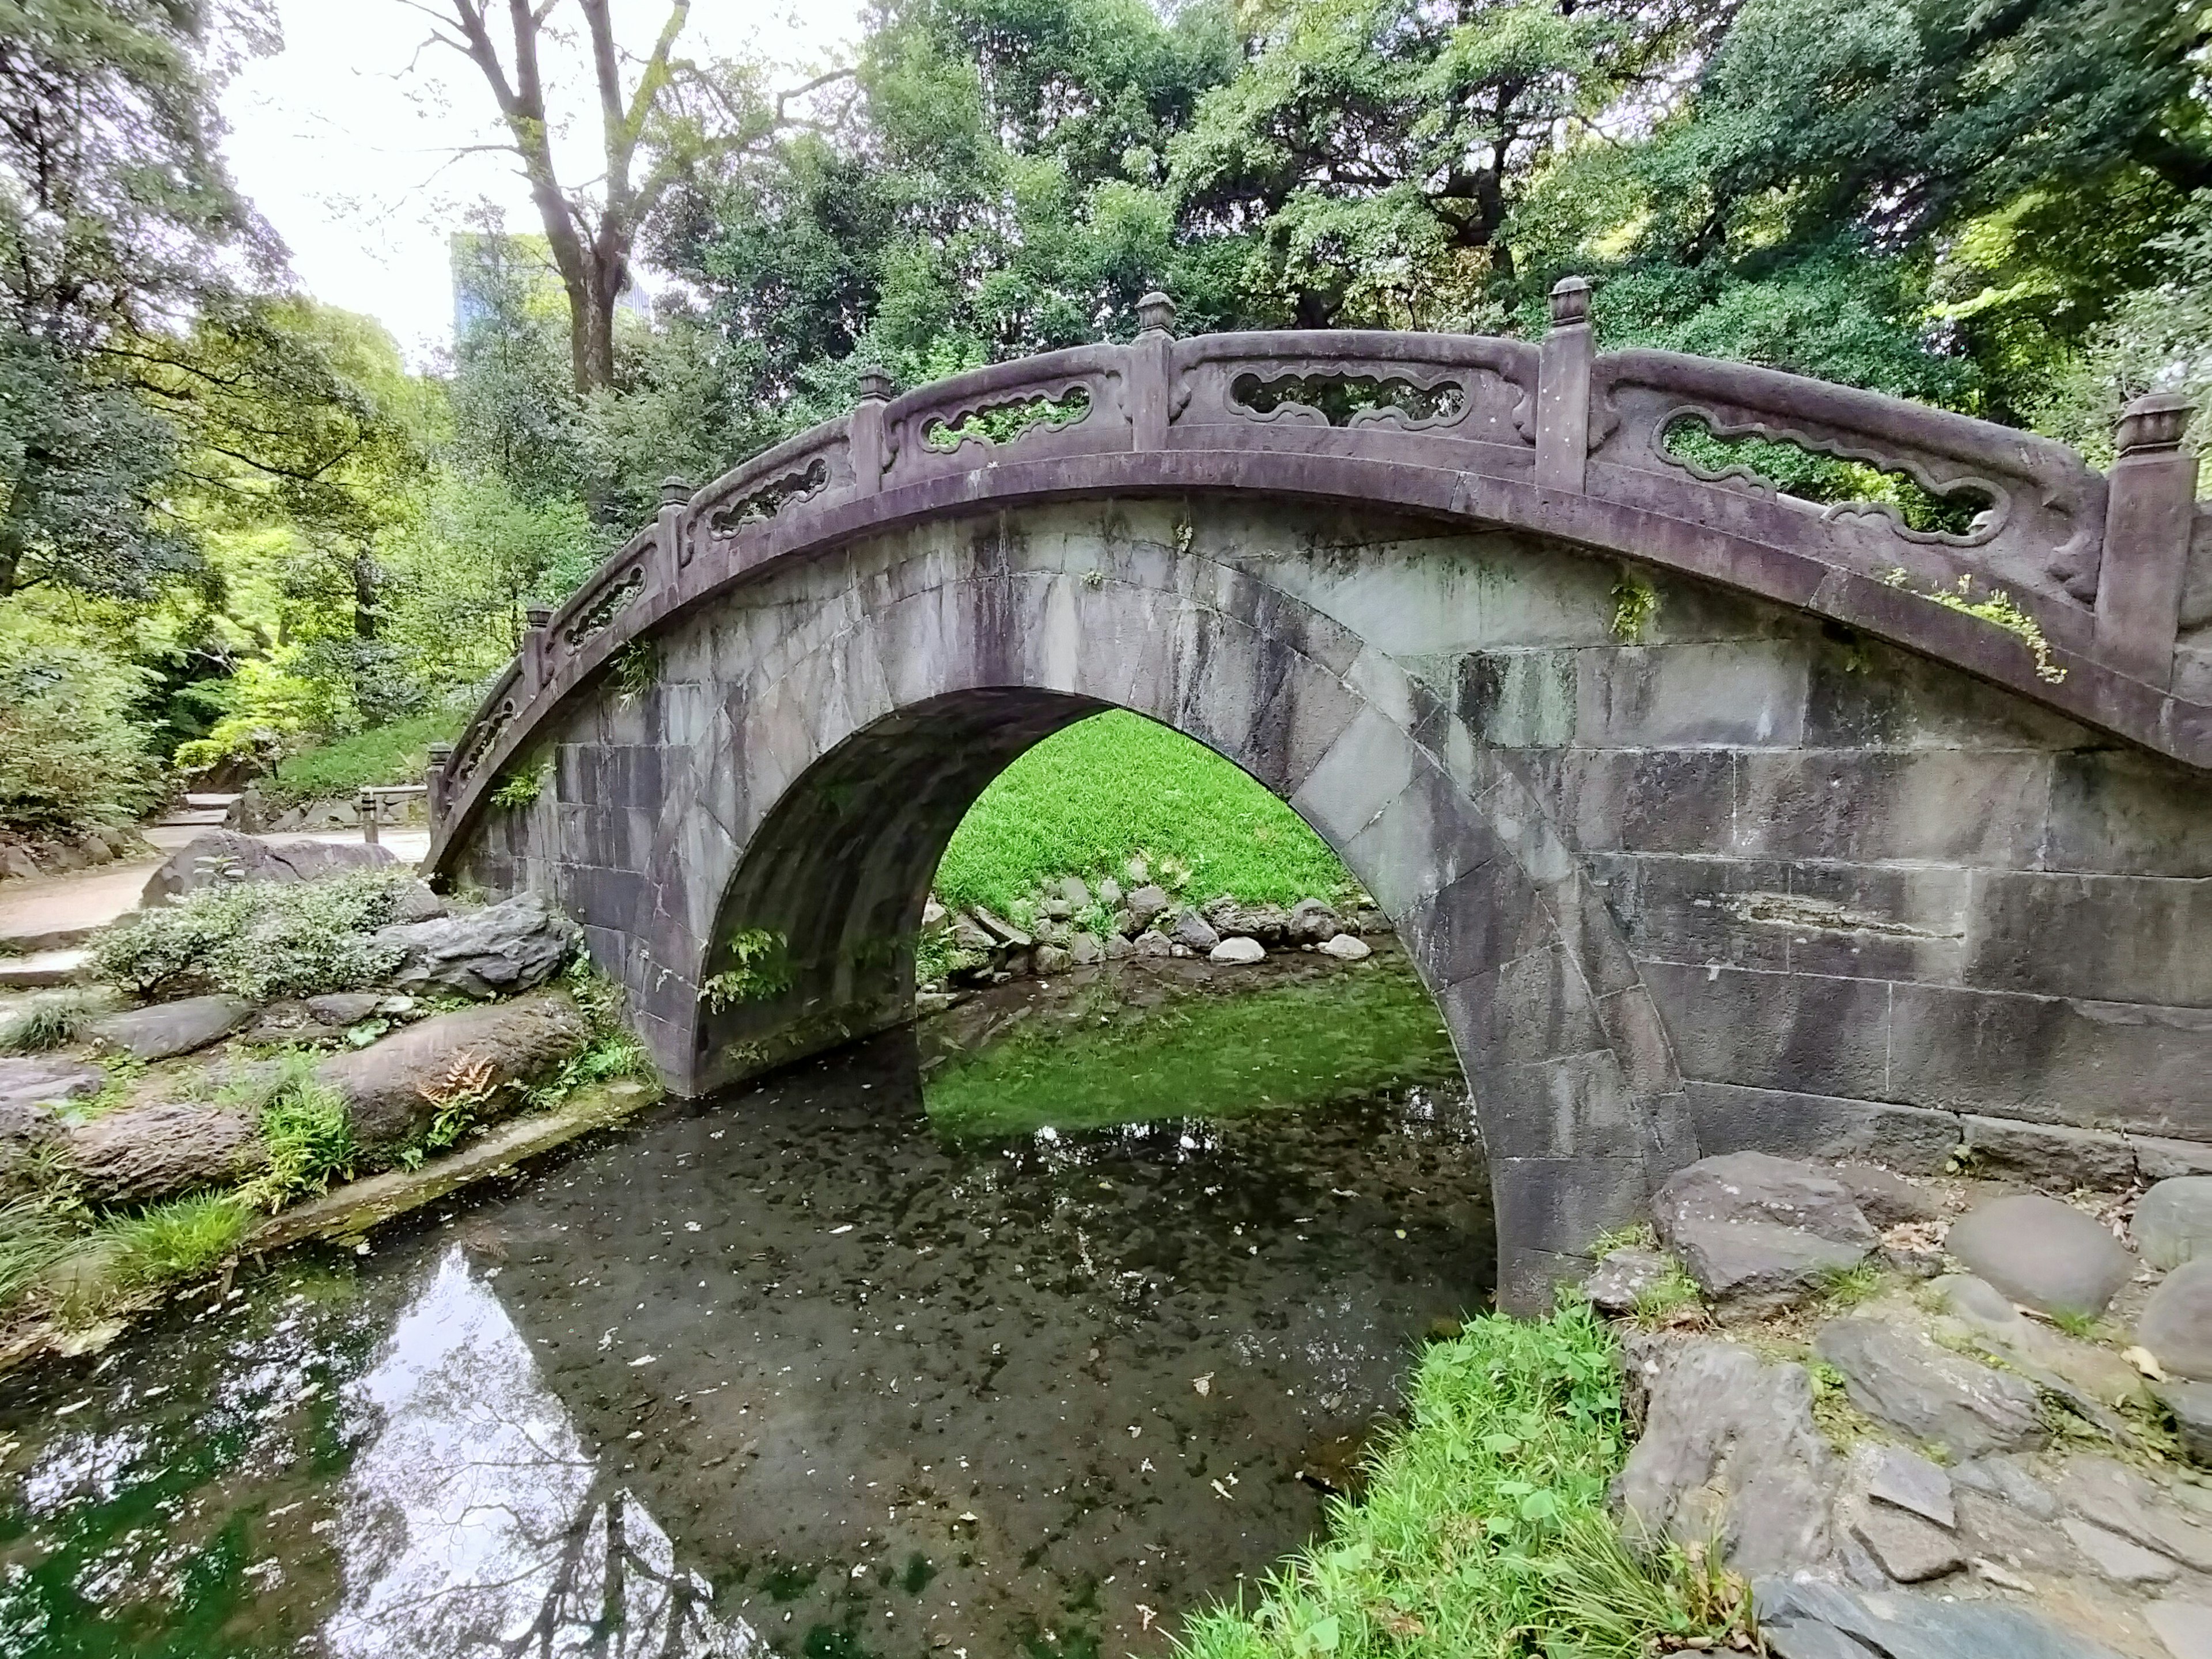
(1152, 945)
(2002, 1477)
(1905, 1481)
(2173, 1221)
(2185, 1627)
(1757, 1232)
(2176, 1323)
(167, 1028)
(1001, 931)
(2120, 1501)
(1898, 1376)
(1346, 947)
(967, 934)
(1729, 1452)
(1084, 949)
(1885, 1199)
(141, 1154)
(29, 1081)
(1241, 951)
(1810, 1618)
(2095, 1378)
(502, 948)
(1074, 893)
(1907, 1548)
(1619, 1282)
(224, 855)
(2120, 1559)
(2041, 1252)
(1144, 903)
(1312, 922)
(343, 1008)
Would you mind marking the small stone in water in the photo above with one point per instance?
(1204, 1385)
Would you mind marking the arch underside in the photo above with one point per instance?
(1532, 800)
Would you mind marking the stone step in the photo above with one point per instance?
(194, 817)
(44, 967)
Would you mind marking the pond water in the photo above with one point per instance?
(931, 1347)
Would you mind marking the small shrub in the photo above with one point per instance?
(176, 1240)
(48, 1022)
(635, 666)
(1635, 602)
(761, 970)
(261, 941)
(522, 787)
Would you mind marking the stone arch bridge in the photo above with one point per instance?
(1708, 816)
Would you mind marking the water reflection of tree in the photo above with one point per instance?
(477, 1522)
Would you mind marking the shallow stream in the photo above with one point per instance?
(1021, 1334)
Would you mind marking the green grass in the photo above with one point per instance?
(1484, 1530)
(49, 1022)
(1659, 1303)
(1341, 1038)
(396, 753)
(1085, 800)
(307, 1133)
(175, 1240)
(33, 1235)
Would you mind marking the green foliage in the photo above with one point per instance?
(53, 1021)
(1999, 611)
(176, 1240)
(1485, 1528)
(1812, 476)
(759, 971)
(1088, 798)
(306, 1132)
(72, 755)
(1847, 1287)
(1343, 1037)
(398, 753)
(34, 1236)
(260, 940)
(522, 785)
(609, 1057)
(635, 668)
(1635, 603)
(1663, 1303)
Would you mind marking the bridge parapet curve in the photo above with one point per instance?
(1551, 438)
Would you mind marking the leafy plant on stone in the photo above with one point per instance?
(1635, 602)
(307, 1133)
(260, 940)
(458, 1101)
(1999, 611)
(635, 666)
(760, 971)
(522, 786)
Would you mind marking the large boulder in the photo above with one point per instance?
(1757, 1232)
(2173, 1221)
(1143, 904)
(1897, 1375)
(1729, 1453)
(1193, 931)
(514, 945)
(141, 1154)
(168, 1029)
(1268, 923)
(2176, 1324)
(223, 856)
(393, 1088)
(2041, 1252)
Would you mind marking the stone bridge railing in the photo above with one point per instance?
(1550, 437)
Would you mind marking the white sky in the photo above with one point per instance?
(346, 139)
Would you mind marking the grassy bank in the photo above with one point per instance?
(1485, 1532)
(386, 754)
(1116, 786)
(1350, 1035)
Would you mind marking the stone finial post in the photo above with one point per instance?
(538, 620)
(1562, 391)
(864, 432)
(668, 528)
(434, 781)
(2148, 518)
(364, 806)
(1148, 371)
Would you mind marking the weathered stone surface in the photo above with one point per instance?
(502, 949)
(173, 1028)
(2177, 1322)
(1898, 1376)
(2080, 1370)
(2041, 1252)
(1050, 959)
(502, 1043)
(1885, 1199)
(415, 901)
(2116, 1558)
(223, 856)
(1002, 932)
(1194, 931)
(2121, 1501)
(1905, 1481)
(1810, 1618)
(1906, 1547)
(1084, 949)
(2002, 1477)
(1757, 1232)
(1311, 922)
(139, 1154)
(1074, 893)
(2173, 1221)
(2055, 1156)
(1110, 893)
(1616, 1283)
(343, 1008)
(1143, 904)
(1268, 923)
(1346, 947)
(2191, 1405)
(2183, 1624)
(1118, 947)
(1729, 1452)
(967, 934)
(27, 1081)
(1152, 945)
(1240, 951)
